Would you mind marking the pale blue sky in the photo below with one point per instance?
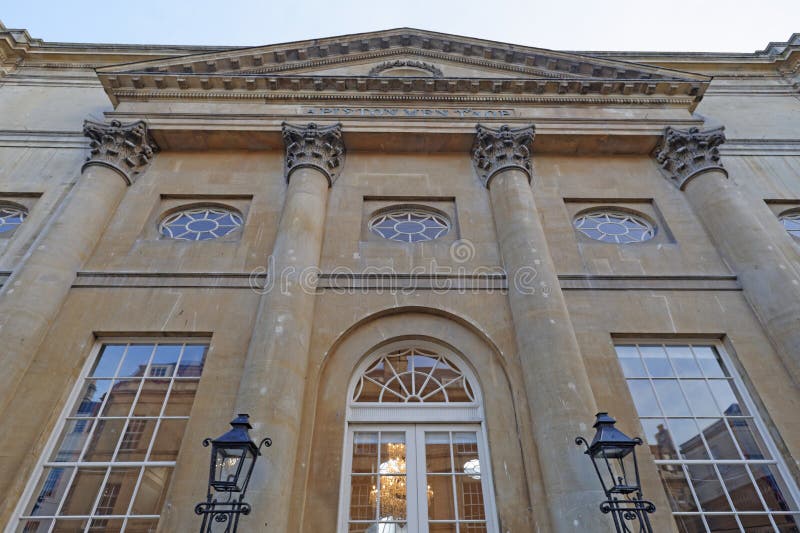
(679, 25)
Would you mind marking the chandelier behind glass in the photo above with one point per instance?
(391, 497)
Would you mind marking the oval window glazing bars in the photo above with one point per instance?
(619, 227)
(413, 375)
(200, 223)
(409, 225)
(11, 216)
(791, 222)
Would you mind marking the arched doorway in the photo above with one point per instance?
(415, 453)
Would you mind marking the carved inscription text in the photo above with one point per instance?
(407, 112)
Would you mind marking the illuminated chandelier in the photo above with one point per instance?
(392, 493)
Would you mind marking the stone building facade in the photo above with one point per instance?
(420, 262)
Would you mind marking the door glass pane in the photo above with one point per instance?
(437, 452)
(363, 497)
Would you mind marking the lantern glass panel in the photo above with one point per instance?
(227, 467)
(619, 472)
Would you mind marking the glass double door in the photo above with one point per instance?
(416, 478)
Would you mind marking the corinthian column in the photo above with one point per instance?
(558, 390)
(33, 294)
(771, 282)
(273, 382)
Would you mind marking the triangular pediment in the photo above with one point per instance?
(401, 60)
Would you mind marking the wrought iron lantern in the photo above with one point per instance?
(233, 457)
(613, 456)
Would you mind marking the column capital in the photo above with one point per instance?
(502, 149)
(313, 146)
(684, 154)
(126, 148)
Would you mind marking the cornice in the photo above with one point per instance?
(213, 87)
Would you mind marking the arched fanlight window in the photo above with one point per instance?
(11, 216)
(791, 222)
(608, 224)
(416, 457)
(200, 223)
(413, 375)
(410, 224)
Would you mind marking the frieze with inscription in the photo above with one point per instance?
(407, 112)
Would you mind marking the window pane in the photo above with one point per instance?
(116, 494)
(192, 360)
(671, 397)
(722, 523)
(440, 497)
(104, 440)
(106, 525)
(121, 396)
(141, 525)
(655, 359)
(168, 440)
(91, 397)
(787, 523)
(365, 453)
(72, 439)
(740, 487)
(690, 524)
(643, 397)
(707, 358)
(773, 488)
(726, 398)
(469, 497)
(107, 363)
(747, 436)
(69, 526)
(699, 397)
(392, 495)
(34, 526)
(181, 398)
(437, 452)
(659, 439)
(677, 488)
(151, 398)
(441, 528)
(718, 438)
(152, 490)
(136, 439)
(687, 437)
(135, 360)
(631, 364)
(165, 360)
(50, 490)
(363, 497)
(83, 491)
(684, 362)
(708, 488)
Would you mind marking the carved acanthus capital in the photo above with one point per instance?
(313, 146)
(502, 149)
(684, 154)
(127, 148)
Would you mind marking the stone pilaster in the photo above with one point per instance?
(761, 256)
(36, 290)
(273, 382)
(557, 385)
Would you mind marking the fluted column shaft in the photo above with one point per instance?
(558, 390)
(769, 277)
(273, 383)
(35, 291)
